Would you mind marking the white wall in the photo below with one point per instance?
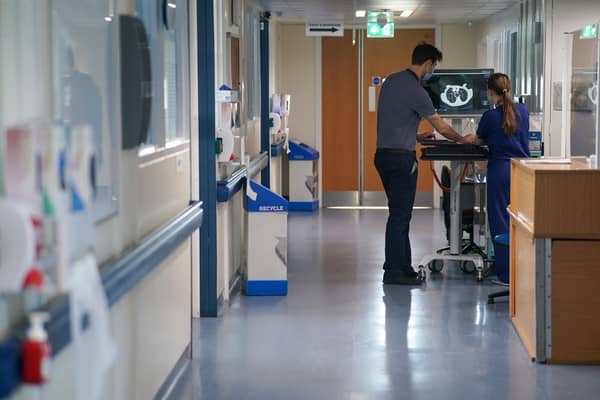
(299, 78)
(490, 34)
(459, 45)
(562, 16)
(275, 56)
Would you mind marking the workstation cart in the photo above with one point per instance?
(470, 255)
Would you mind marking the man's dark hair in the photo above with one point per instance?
(424, 52)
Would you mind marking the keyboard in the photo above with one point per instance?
(445, 150)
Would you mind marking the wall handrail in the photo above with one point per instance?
(227, 188)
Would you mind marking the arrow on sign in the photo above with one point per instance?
(324, 29)
(332, 29)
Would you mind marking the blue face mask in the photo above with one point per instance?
(428, 75)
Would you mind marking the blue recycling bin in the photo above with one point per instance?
(501, 252)
(303, 177)
(266, 242)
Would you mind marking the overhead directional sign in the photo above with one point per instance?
(325, 29)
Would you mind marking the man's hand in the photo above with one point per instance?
(469, 139)
(425, 136)
(446, 130)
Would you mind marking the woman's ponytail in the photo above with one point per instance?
(509, 122)
(500, 84)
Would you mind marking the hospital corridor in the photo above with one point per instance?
(299, 199)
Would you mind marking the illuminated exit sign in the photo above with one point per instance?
(380, 24)
(589, 32)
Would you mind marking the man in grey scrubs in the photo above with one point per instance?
(403, 103)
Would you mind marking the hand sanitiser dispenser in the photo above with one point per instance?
(36, 351)
(227, 123)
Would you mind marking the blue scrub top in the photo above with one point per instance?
(502, 146)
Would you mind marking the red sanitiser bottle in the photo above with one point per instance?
(36, 351)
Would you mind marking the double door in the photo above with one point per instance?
(350, 67)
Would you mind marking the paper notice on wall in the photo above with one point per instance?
(17, 245)
(90, 329)
(21, 165)
(372, 92)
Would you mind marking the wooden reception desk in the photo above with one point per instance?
(555, 260)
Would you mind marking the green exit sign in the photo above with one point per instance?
(589, 32)
(380, 24)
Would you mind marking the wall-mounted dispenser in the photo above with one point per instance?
(228, 121)
(136, 82)
(280, 113)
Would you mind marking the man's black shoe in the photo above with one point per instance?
(402, 278)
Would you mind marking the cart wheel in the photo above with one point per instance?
(468, 267)
(487, 267)
(479, 275)
(436, 266)
(422, 273)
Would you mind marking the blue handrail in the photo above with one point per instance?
(227, 188)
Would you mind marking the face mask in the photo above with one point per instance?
(428, 75)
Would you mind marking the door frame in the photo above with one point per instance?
(360, 197)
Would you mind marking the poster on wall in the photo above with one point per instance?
(85, 71)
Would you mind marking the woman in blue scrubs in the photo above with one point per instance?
(505, 130)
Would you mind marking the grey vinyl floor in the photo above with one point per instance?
(341, 334)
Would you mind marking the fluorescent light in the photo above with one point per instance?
(406, 13)
(108, 19)
(361, 13)
(172, 5)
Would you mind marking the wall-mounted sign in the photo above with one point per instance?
(325, 29)
(376, 81)
(589, 32)
(380, 24)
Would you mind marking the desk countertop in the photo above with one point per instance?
(578, 164)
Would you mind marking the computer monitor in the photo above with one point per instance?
(459, 92)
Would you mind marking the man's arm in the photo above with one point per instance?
(446, 130)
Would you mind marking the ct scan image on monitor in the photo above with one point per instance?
(459, 91)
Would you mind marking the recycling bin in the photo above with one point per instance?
(303, 177)
(266, 242)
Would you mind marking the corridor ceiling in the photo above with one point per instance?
(425, 11)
